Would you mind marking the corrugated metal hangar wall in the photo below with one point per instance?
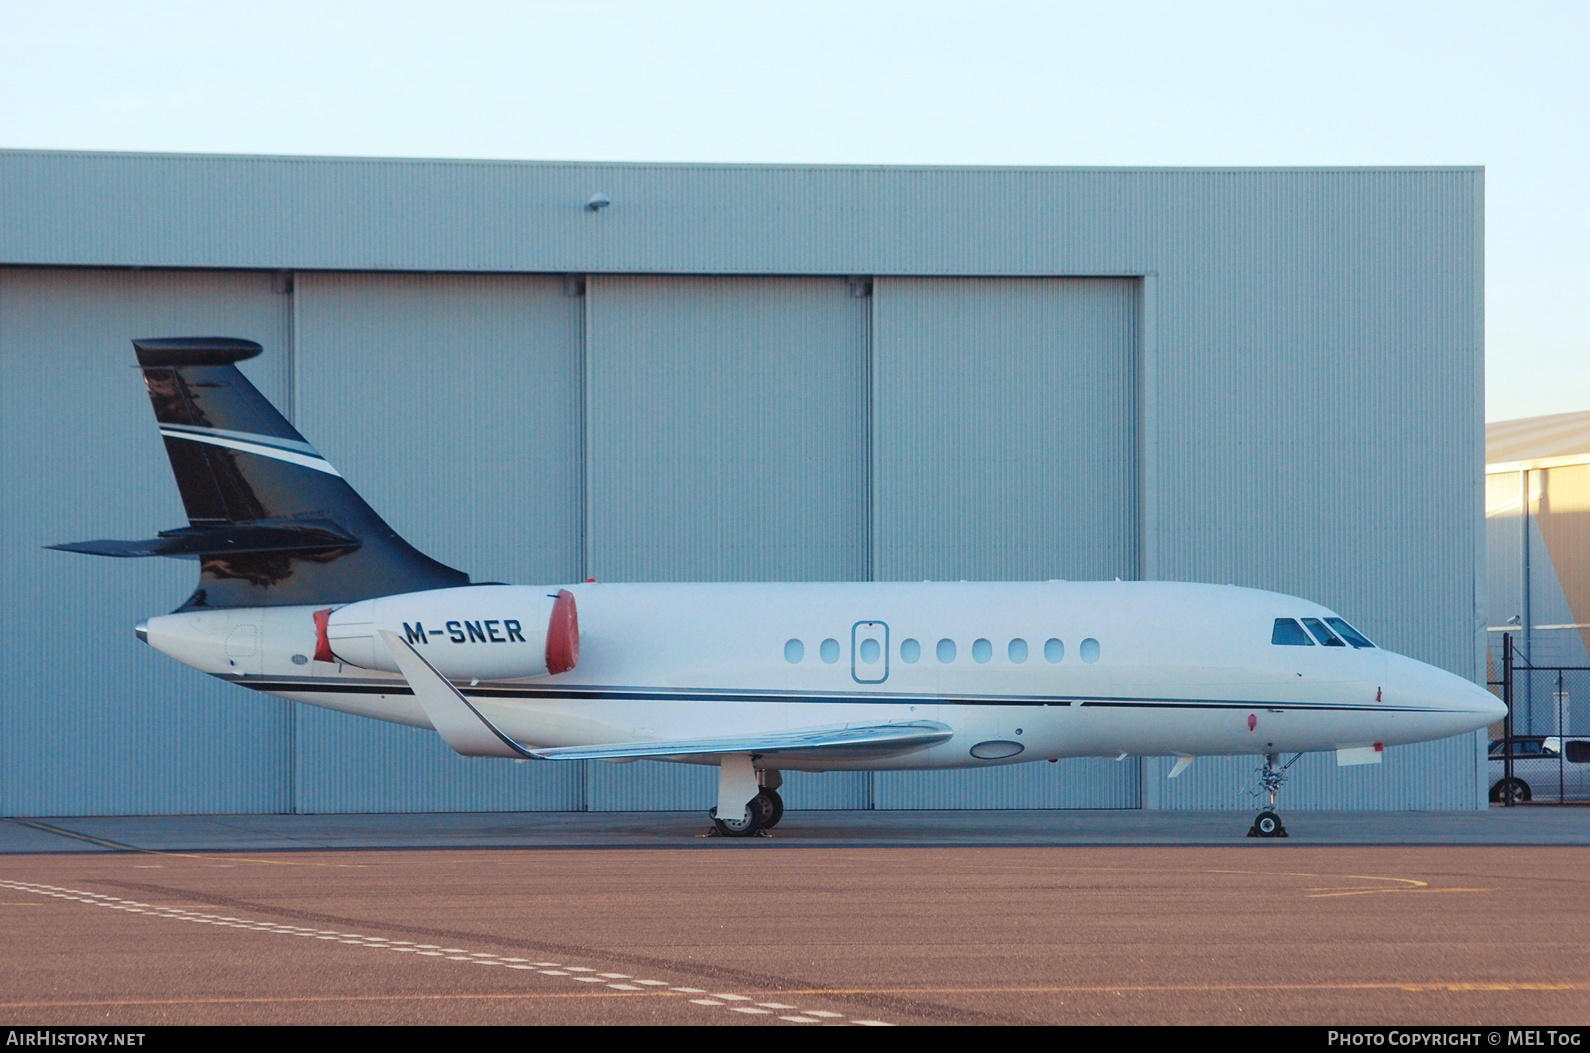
(1267, 377)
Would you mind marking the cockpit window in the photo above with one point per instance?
(1322, 634)
(1348, 633)
(1290, 634)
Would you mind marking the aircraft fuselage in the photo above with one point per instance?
(1017, 671)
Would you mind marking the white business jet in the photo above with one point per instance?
(305, 593)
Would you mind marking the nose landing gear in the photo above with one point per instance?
(1271, 776)
(1268, 824)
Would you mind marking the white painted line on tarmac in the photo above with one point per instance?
(431, 950)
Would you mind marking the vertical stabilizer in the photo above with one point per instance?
(271, 522)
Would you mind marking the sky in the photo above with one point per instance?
(995, 82)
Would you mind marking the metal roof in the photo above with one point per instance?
(1511, 444)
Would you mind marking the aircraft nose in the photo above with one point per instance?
(1494, 707)
(1453, 704)
(1468, 697)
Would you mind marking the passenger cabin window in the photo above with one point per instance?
(794, 651)
(1289, 634)
(1322, 634)
(1348, 633)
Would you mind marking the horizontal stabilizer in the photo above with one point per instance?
(192, 542)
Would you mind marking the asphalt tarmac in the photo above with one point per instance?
(842, 918)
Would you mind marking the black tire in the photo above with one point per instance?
(1515, 789)
(750, 826)
(1268, 824)
(772, 807)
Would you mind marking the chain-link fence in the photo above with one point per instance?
(1542, 754)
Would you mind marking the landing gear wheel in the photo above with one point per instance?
(1515, 791)
(1268, 824)
(750, 826)
(771, 805)
(1271, 775)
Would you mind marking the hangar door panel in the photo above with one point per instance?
(451, 403)
(726, 437)
(726, 429)
(1004, 429)
(1004, 445)
(106, 725)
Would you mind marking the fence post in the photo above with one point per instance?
(1562, 744)
(1507, 721)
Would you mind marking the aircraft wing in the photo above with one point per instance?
(470, 733)
(879, 740)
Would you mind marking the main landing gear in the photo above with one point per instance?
(1271, 776)
(763, 814)
(762, 810)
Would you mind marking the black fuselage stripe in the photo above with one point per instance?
(636, 695)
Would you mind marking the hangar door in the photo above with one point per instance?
(530, 428)
(726, 429)
(1005, 429)
(94, 722)
(1004, 433)
(452, 403)
(726, 441)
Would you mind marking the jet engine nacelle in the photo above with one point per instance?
(476, 632)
